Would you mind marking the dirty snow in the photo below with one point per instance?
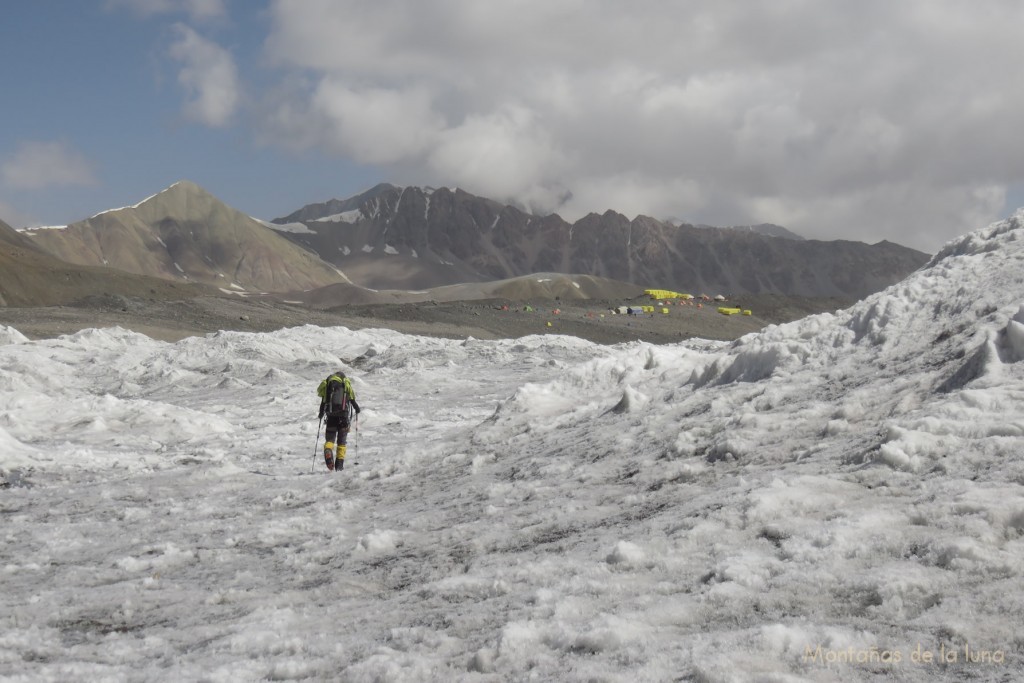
(837, 498)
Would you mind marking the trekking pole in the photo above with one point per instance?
(355, 430)
(316, 445)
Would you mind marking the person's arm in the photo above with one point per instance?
(321, 391)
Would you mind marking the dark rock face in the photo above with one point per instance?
(334, 206)
(392, 237)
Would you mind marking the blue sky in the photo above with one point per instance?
(867, 121)
(95, 83)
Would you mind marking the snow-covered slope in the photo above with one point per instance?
(838, 498)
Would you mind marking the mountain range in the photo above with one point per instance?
(411, 238)
(392, 237)
(767, 229)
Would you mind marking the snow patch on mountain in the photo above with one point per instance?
(31, 230)
(353, 216)
(298, 228)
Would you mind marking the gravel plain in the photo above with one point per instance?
(171, 320)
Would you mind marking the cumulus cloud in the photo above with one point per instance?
(37, 165)
(505, 152)
(863, 120)
(375, 125)
(197, 10)
(208, 76)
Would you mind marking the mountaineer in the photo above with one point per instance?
(337, 403)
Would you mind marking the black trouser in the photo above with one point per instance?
(337, 428)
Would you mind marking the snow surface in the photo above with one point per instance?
(837, 498)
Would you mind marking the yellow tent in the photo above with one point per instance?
(666, 294)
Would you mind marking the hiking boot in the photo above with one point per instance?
(329, 459)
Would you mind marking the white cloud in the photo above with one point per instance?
(502, 155)
(42, 164)
(903, 212)
(197, 10)
(635, 194)
(209, 77)
(850, 120)
(375, 125)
